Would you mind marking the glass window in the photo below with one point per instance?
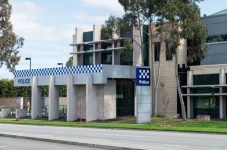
(88, 36)
(169, 54)
(106, 45)
(96, 45)
(106, 58)
(122, 43)
(78, 47)
(88, 59)
(216, 38)
(88, 47)
(145, 45)
(115, 44)
(157, 47)
(206, 79)
(206, 106)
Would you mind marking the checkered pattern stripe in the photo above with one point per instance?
(59, 71)
(144, 74)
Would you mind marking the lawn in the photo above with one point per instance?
(129, 123)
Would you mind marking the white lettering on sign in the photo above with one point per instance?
(144, 82)
(23, 81)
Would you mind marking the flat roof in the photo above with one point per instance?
(223, 12)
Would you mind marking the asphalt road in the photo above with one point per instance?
(154, 140)
(23, 144)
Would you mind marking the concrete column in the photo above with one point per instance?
(222, 102)
(77, 38)
(91, 100)
(96, 37)
(137, 52)
(189, 99)
(113, 58)
(36, 104)
(71, 99)
(53, 103)
(143, 96)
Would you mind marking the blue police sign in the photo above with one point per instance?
(23, 81)
(142, 76)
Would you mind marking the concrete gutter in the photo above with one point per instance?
(58, 141)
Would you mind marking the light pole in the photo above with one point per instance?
(29, 58)
(29, 102)
(60, 64)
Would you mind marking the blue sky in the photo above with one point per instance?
(48, 26)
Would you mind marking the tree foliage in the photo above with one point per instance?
(116, 25)
(69, 62)
(9, 41)
(7, 89)
(185, 21)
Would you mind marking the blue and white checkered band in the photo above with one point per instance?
(143, 76)
(59, 71)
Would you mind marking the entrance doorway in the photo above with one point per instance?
(125, 98)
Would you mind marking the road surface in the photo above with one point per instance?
(154, 140)
(24, 144)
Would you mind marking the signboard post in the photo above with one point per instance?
(143, 95)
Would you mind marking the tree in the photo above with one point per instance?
(144, 12)
(70, 62)
(9, 41)
(183, 16)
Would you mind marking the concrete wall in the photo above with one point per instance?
(110, 100)
(81, 101)
(208, 69)
(168, 76)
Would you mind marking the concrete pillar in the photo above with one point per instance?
(222, 103)
(71, 99)
(113, 58)
(91, 100)
(36, 106)
(143, 96)
(77, 38)
(137, 52)
(53, 103)
(189, 99)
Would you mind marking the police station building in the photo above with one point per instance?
(109, 81)
(100, 84)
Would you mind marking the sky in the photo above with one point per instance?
(48, 26)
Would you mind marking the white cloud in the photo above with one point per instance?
(107, 4)
(81, 20)
(27, 20)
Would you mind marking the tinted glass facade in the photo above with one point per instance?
(157, 48)
(145, 45)
(125, 98)
(206, 105)
(88, 59)
(106, 58)
(169, 55)
(88, 36)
